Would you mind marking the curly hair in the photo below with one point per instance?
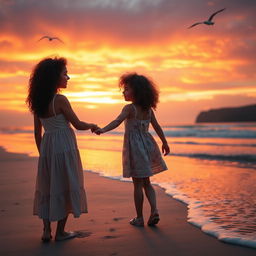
(144, 90)
(43, 84)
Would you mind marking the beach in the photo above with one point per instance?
(211, 170)
(105, 229)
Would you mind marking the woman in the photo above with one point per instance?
(59, 184)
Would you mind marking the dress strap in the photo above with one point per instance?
(135, 111)
(53, 108)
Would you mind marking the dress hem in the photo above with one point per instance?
(61, 218)
(145, 176)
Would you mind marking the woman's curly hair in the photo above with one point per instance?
(144, 90)
(43, 84)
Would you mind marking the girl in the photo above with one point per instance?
(141, 155)
(59, 184)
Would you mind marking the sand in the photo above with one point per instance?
(105, 229)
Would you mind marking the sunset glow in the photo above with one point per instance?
(212, 66)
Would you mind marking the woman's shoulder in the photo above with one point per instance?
(61, 103)
(60, 98)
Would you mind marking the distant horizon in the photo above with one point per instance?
(27, 118)
(19, 129)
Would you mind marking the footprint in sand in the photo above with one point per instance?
(109, 237)
(117, 219)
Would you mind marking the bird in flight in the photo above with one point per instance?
(50, 38)
(209, 21)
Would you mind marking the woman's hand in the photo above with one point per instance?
(99, 131)
(165, 149)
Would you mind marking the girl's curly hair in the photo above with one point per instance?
(144, 90)
(43, 84)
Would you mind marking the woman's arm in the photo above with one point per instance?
(115, 123)
(160, 133)
(66, 109)
(37, 132)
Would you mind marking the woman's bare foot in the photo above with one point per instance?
(46, 237)
(65, 236)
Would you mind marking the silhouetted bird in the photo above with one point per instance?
(209, 21)
(50, 38)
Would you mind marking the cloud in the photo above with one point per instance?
(105, 38)
(120, 21)
(14, 66)
(134, 23)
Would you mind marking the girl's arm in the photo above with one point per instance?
(160, 133)
(37, 132)
(115, 123)
(66, 109)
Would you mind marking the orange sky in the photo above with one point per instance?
(195, 69)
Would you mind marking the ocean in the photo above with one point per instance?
(211, 168)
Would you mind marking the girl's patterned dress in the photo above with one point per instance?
(141, 155)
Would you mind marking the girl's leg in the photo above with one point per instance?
(150, 194)
(138, 196)
(46, 237)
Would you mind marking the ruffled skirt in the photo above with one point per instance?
(59, 184)
(141, 155)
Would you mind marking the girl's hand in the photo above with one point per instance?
(165, 149)
(99, 131)
(94, 127)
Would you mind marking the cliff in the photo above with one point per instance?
(237, 114)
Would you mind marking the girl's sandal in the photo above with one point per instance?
(153, 219)
(138, 222)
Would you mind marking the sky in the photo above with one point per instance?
(195, 69)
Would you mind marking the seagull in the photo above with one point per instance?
(209, 21)
(50, 38)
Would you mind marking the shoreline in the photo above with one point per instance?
(106, 229)
(194, 216)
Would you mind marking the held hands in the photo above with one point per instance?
(99, 131)
(165, 149)
(94, 127)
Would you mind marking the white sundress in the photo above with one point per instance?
(141, 155)
(59, 183)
